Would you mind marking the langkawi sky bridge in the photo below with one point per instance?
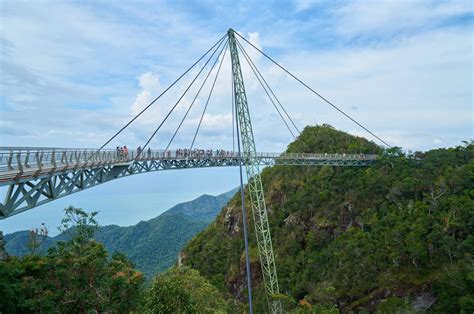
(32, 176)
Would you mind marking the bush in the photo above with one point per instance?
(183, 290)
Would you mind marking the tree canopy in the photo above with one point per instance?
(75, 276)
(356, 237)
(183, 290)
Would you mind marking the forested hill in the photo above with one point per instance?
(152, 245)
(395, 236)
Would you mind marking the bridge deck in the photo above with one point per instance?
(34, 176)
(18, 164)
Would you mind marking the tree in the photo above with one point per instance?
(75, 276)
(36, 238)
(78, 224)
(183, 290)
(3, 253)
(87, 278)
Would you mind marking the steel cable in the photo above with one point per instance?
(223, 50)
(219, 42)
(244, 216)
(314, 92)
(264, 88)
(266, 83)
(207, 102)
(180, 98)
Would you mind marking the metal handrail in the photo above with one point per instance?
(23, 158)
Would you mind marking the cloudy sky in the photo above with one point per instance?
(72, 73)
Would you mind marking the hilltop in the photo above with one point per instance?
(394, 236)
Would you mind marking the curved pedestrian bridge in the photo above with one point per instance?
(33, 175)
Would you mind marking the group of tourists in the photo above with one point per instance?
(141, 154)
(122, 152)
(201, 153)
(225, 153)
(193, 153)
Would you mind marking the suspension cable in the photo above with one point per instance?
(314, 92)
(265, 89)
(180, 98)
(151, 103)
(266, 83)
(244, 217)
(207, 102)
(223, 50)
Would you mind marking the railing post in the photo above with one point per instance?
(85, 158)
(27, 159)
(9, 161)
(38, 161)
(76, 157)
(64, 159)
(41, 155)
(18, 160)
(53, 160)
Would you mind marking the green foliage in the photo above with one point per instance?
(326, 139)
(79, 224)
(349, 236)
(394, 306)
(152, 245)
(455, 287)
(76, 276)
(36, 238)
(183, 290)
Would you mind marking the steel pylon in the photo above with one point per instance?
(257, 199)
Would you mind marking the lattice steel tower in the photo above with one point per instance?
(259, 210)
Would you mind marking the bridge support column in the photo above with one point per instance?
(259, 210)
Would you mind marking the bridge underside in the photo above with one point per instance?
(35, 186)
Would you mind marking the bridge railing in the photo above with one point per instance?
(21, 159)
(322, 156)
(14, 158)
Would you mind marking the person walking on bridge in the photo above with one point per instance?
(125, 152)
(139, 150)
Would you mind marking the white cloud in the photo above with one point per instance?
(217, 122)
(254, 38)
(410, 84)
(73, 66)
(378, 17)
(303, 5)
(149, 81)
(150, 84)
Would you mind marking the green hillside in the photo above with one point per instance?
(152, 245)
(395, 236)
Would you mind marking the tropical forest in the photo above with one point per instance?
(395, 237)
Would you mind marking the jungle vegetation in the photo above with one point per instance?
(396, 237)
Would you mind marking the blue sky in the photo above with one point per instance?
(72, 73)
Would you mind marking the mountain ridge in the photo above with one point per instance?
(153, 245)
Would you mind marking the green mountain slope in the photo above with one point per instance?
(152, 245)
(397, 235)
